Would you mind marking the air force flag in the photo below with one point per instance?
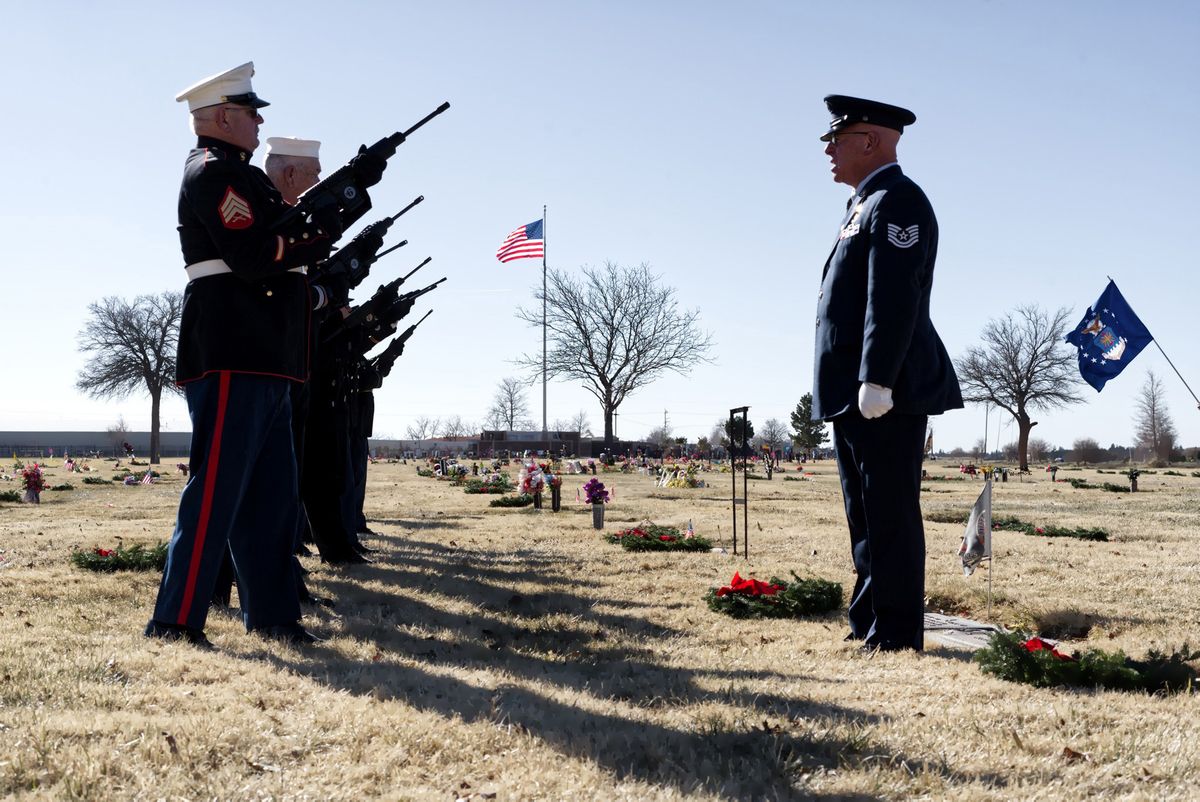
(1108, 338)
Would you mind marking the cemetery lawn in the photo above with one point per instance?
(513, 654)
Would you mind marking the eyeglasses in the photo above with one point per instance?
(833, 138)
(251, 109)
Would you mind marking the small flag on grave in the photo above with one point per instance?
(977, 539)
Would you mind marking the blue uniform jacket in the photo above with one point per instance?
(873, 309)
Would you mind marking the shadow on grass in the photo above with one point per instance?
(431, 608)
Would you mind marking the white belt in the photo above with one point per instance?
(212, 267)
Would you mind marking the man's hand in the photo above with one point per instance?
(370, 239)
(368, 168)
(873, 400)
(329, 220)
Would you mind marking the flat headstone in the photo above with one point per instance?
(959, 633)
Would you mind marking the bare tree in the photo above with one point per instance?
(510, 408)
(615, 329)
(576, 423)
(773, 434)
(1088, 450)
(1039, 449)
(580, 423)
(455, 426)
(131, 346)
(422, 428)
(717, 436)
(1153, 428)
(1022, 365)
(660, 436)
(118, 435)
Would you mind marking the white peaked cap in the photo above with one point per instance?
(231, 86)
(293, 146)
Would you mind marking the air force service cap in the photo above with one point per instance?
(848, 110)
(293, 146)
(231, 86)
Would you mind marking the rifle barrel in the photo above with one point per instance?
(396, 216)
(404, 278)
(428, 117)
(400, 244)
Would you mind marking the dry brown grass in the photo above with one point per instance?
(512, 652)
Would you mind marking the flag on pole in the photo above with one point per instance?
(526, 242)
(1108, 338)
(977, 540)
(148, 478)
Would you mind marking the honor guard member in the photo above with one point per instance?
(242, 345)
(293, 165)
(880, 368)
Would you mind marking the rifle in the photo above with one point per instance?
(400, 308)
(346, 189)
(354, 261)
(384, 362)
(383, 298)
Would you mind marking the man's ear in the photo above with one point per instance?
(289, 175)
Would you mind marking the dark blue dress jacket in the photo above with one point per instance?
(873, 309)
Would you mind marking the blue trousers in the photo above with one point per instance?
(241, 491)
(880, 465)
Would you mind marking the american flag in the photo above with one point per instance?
(148, 478)
(526, 242)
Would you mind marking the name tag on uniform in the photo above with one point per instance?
(851, 228)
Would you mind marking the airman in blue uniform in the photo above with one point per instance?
(880, 368)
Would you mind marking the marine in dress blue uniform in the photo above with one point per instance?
(243, 345)
(880, 368)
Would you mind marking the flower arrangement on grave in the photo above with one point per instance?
(122, 558)
(531, 480)
(32, 478)
(33, 482)
(519, 500)
(494, 484)
(1025, 658)
(686, 477)
(594, 492)
(776, 598)
(649, 536)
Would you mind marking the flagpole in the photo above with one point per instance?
(992, 555)
(544, 434)
(1177, 373)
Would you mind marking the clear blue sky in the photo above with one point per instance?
(1055, 140)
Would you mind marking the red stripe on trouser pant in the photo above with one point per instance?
(210, 481)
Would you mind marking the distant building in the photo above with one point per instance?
(40, 445)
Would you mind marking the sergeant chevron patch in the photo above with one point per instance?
(902, 237)
(235, 211)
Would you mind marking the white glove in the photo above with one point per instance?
(873, 400)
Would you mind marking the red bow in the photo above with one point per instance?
(1038, 645)
(748, 587)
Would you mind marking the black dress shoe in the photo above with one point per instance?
(350, 559)
(293, 634)
(323, 601)
(157, 629)
(364, 549)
